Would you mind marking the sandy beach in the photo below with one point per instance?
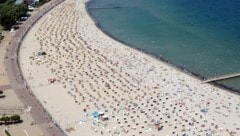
(94, 85)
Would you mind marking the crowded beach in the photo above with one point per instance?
(94, 85)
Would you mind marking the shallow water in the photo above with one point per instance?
(202, 36)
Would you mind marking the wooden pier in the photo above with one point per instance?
(221, 78)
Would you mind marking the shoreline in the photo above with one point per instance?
(113, 81)
(182, 69)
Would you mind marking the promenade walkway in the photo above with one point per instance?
(17, 81)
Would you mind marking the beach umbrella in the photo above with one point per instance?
(95, 114)
(204, 110)
(157, 122)
(101, 113)
(105, 117)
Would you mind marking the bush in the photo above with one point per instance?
(10, 119)
(5, 119)
(7, 133)
(15, 118)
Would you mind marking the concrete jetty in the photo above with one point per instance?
(112, 7)
(221, 78)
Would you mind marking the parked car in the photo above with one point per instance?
(23, 18)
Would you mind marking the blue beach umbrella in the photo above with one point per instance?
(95, 114)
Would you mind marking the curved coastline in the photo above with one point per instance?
(90, 63)
(182, 69)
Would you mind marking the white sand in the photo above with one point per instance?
(97, 73)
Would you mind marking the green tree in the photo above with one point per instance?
(15, 118)
(8, 19)
(9, 13)
(3, 1)
(5, 119)
(20, 10)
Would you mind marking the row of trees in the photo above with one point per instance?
(11, 12)
(10, 119)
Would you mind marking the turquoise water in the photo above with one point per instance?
(201, 36)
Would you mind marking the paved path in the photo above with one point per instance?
(5, 87)
(12, 110)
(39, 114)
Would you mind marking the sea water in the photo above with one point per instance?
(201, 36)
